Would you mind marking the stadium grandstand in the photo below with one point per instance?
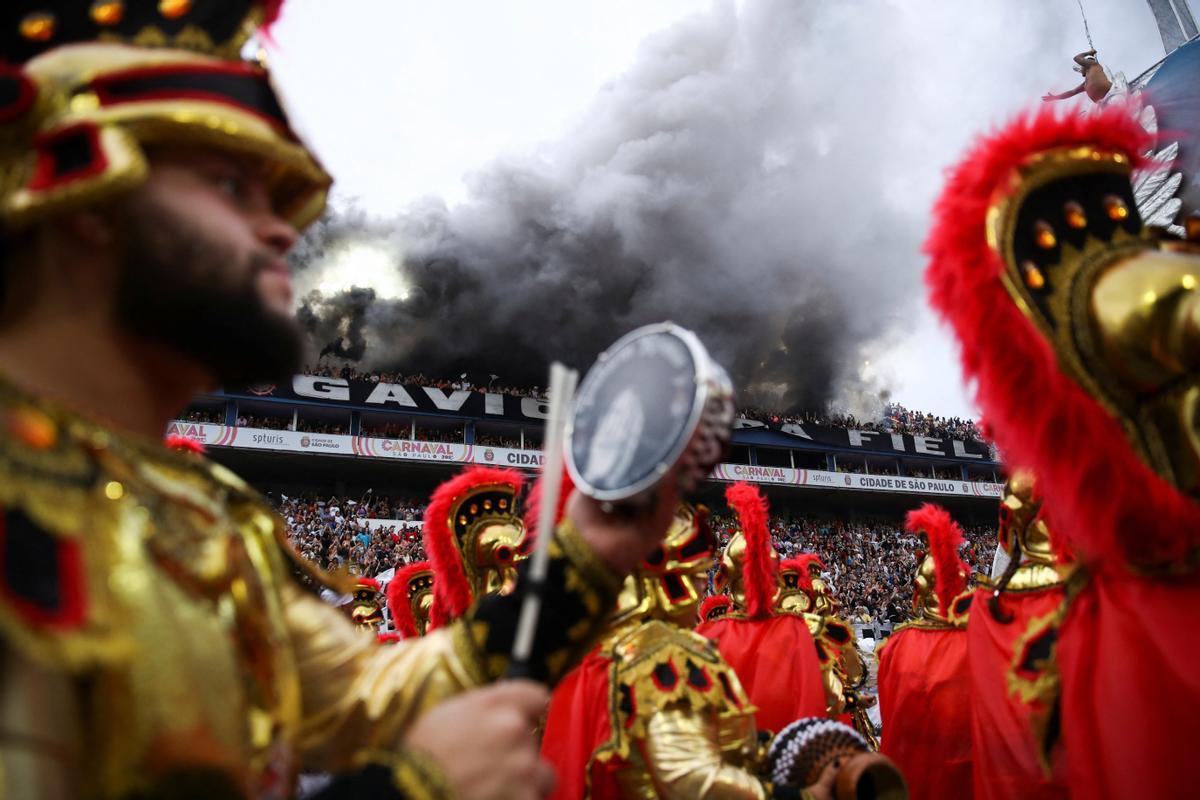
(349, 458)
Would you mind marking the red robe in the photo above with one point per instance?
(925, 702)
(576, 725)
(776, 661)
(1131, 687)
(1006, 762)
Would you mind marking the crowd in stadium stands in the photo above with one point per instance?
(420, 379)
(487, 440)
(209, 417)
(265, 422)
(870, 563)
(332, 532)
(894, 419)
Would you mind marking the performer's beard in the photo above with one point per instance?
(177, 288)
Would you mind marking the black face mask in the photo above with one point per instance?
(175, 291)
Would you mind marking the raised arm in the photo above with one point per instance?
(1050, 96)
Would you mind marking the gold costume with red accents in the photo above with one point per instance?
(655, 712)
(1079, 328)
(1009, 719)
(155, 633)
(772, 651)
(924, 678)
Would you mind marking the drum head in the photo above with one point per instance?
(636, 411)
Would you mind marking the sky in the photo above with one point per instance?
(417, 105)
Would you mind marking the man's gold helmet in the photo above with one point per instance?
(86, 87)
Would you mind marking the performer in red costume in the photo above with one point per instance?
(771, 651)
(1008, 758)
(1080, 331)
(924, 682)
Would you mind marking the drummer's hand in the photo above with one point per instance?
(623, 538)
(823, 788)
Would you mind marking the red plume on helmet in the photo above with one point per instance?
(944, 537)
(760, 573)
(713, 606)
(533, 506)
(1109, 505)
(451, 589)
(184, 444)
(397, 599)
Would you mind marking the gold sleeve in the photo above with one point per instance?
(685, 762)
(358, 696)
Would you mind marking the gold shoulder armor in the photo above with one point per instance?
(659, 666)
(58, 515)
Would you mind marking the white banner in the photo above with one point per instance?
(818, 479)
(410, 450)
(508, 457)
(299, 442)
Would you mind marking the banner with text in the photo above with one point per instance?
(454, 453)
(818, 479)
(483, 405)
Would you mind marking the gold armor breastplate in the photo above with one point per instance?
(672, 685)
(163, 611)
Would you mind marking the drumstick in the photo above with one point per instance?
(562, 391)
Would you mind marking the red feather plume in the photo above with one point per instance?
(944, 537)
(451, 590)
(184, 444)
(533, 505)
(799, 565)
(388, 637)
(760, 573)
(1108, 505)
(272, 9)
(397, 599)
(368, 583)
(713, 603)
(808, 559)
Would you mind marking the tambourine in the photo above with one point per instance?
(654, 407)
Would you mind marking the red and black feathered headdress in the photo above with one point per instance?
(945, 537)
(448, 519)
(714, 606)
(760, 570)
(1100, 496)
(799, 566)
(398, 598)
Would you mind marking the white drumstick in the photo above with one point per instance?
(562, 391)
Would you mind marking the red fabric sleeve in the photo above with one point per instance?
(1128, 657)
(776, 661)
(1006, 760)
(925, 703)
(576, 725)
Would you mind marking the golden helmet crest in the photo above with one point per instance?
(366, 604)
(410, 599)
(670, 583)
(1023, 533)
(475, 537)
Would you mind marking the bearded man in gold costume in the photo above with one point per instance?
(156, 641)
